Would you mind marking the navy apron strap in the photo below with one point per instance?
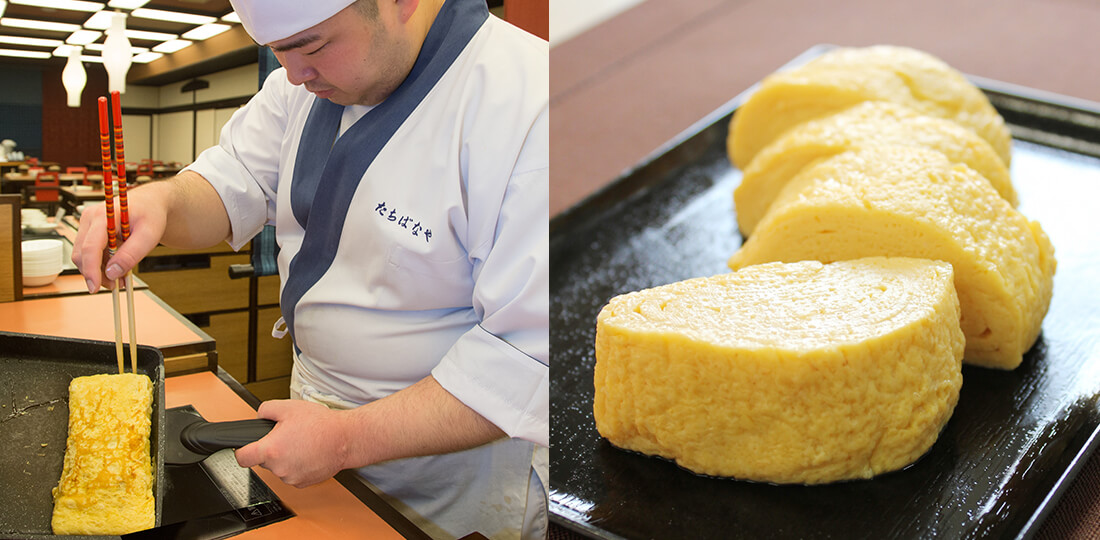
(318, 136)
(327, 174)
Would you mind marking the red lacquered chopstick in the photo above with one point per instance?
(112, 237)
(124, 215)
(121, 163)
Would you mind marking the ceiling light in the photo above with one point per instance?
(205, 31)
(39, 25)
(171, 16)
(34, 42)
(3, 6)
(117, 55)
(83, 37)
(146, 57)
(169, 47)
(232, 17)
(73, 78)
(127, 4)
(149, 36)
(99, 47)
(101, 20)
(24, 54)
(64, 50)
(72, 5)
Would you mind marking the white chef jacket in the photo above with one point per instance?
(442, 261)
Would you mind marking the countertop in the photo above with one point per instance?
(325, 510)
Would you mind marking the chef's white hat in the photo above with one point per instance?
(271, 20)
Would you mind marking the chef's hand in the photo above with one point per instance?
(184, 212)
(311, 443)
(308, 444)
(147, 224)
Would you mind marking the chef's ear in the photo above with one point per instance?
(405, 8)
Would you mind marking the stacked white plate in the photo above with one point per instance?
(41, 262)
(35, 221)
(32, 215)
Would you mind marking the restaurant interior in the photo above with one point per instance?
(192, 65)
(182, 70)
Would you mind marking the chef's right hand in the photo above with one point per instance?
(148, 219)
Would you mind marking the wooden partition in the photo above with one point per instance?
(196, 283)
(11, 253)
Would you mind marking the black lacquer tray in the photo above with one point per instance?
(1014, 444)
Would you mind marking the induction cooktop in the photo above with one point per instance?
(213, 499)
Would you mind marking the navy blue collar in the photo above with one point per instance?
(327, 173)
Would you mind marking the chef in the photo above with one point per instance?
(402, 154)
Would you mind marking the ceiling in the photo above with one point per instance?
(228, 49)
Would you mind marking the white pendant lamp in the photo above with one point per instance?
(74, 77)
(117, 54)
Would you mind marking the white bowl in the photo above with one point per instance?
(36, 248)
(43, 278)
(42, 256)
(42, 227)
(42, 250)
(31, 213)
(39, 281)
(38, 268)
(46, 262)
(41, 269)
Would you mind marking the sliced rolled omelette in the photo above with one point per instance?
(106, 485)
(785, 373)
(869, 123)
(912, 202)
(844, 77)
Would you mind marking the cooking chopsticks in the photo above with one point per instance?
(124, 210)
(112, 234)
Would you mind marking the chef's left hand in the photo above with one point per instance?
(308, 444)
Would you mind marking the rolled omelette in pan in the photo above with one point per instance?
(106, 486)
(784, 372)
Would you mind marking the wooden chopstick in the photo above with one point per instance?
(124, 211)
(112, 237)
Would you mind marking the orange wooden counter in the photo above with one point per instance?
(325, 510)
(69, 285)
(186, 348)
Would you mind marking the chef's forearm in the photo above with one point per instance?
(196, 215)
(423, 419)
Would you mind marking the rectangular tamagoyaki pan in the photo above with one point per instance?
(34, 417)
(1014, 444)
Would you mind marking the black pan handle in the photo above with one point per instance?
(209, 437)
